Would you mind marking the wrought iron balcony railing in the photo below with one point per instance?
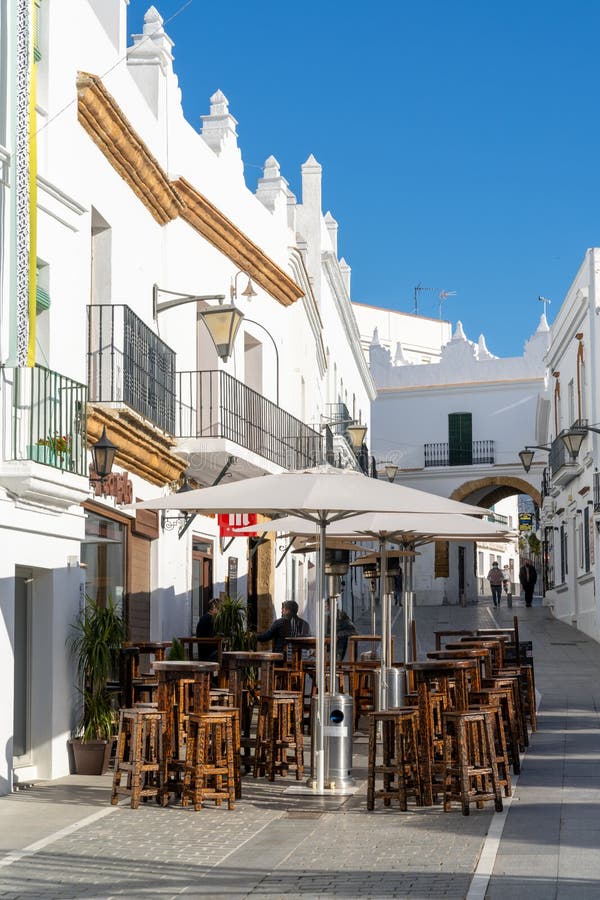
(48, 419)
(480, 453)
(558, 456)
(129, 364)
(213, 404)
(339, 417)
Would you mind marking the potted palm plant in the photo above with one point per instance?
(95, 642)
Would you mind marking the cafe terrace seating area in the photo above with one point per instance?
(193, 731)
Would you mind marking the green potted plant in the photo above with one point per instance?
(230, 621)
(95, 642)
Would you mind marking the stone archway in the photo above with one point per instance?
(482, 492)
(493, 488)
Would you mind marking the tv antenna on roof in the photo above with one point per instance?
(545, 301)
(443, 295)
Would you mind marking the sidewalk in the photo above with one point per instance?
(281, 843)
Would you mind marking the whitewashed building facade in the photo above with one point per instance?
(455, 428)
(571, 487)
(133, 202)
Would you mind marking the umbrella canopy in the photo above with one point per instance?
(395, 527)
(322, 493)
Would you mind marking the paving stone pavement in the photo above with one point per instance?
(282, 844)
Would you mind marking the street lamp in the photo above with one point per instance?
(222, 322)
(103, 456)
(390, 471)
(248, 292)
(356, 433)
(526, 455)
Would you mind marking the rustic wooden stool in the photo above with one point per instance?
(139, 754)
(470, 770)
(221, 697)
(504, 696)
(526, 681)
(513, 682)
(502, 761)
(279, 731)
(400, 757)
(209, 772)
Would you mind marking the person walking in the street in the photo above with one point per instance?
(495, 578)
(528, 578)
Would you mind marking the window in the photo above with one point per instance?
(460, 439)
(586, 539)
(480, 562)
(103, 553)
(571, 402)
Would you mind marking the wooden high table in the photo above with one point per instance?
(231, 676)
(424, 673)
(173, 677)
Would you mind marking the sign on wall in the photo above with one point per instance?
(229, 522)
(232, 576)
(525, 522)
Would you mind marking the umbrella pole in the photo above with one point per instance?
(320, 665)
(385, 625)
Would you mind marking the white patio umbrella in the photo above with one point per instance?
(321, 495)
(407, 529)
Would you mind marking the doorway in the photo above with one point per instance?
(202, 579)
(22, 670)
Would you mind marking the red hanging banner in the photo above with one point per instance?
(230, 522)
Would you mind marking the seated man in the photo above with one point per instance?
(206, 629)
(288, 625)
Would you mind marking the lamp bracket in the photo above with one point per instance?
(179, 299)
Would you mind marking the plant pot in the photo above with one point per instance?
(91, 757)
(40, 453)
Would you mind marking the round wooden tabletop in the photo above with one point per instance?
(185, 665)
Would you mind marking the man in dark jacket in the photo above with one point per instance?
(288, 625)
(528, 578)
(206, 629)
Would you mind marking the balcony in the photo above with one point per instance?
(48, 419)
(44, 442)
(562, 468)
(226, 415)
(129, 365)
(480, 453)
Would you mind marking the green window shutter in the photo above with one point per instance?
(42, 300)
(460, 439)
(37, 54)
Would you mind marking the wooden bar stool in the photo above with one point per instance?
(501, 748)
(504, 697)
(470, 770)
(209, 772)
(526, 681)
(139, 755)
(399, 767)
(279, 733)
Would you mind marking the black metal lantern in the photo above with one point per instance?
(103, 456)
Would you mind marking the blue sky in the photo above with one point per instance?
(458, 139)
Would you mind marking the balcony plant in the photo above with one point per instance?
(59, 444)
(95, 643)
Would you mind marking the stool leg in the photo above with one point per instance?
(114, 797)
(372, 763)
(492, 757)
